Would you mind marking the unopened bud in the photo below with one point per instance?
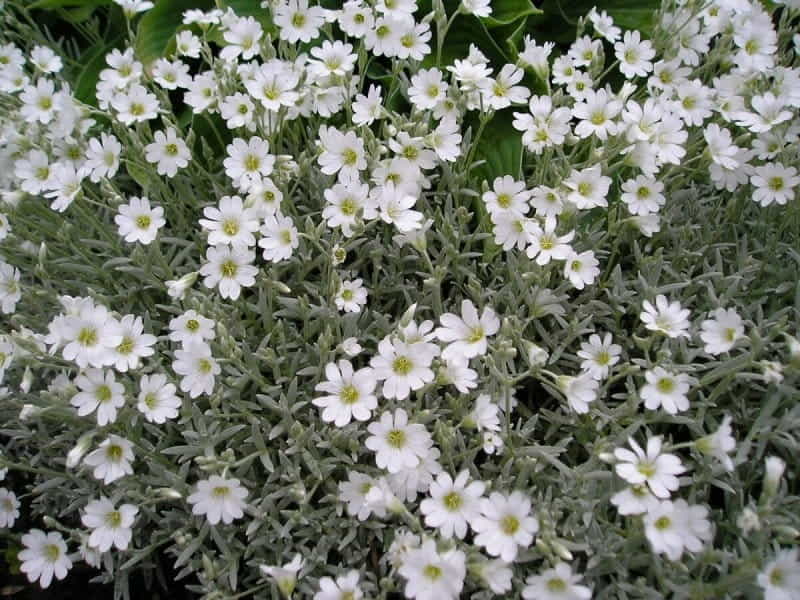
(76, 454)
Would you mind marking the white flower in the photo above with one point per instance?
(456, 372)
(775, 468)
(672, 527)
(502, 91)
(657, 469)
(44, 556)
(427, 88)
(238, 111)
(40, 102)
(479, 8)
(187, 44)
(241, 39)
(230, 223)
(398, 444)
(467, 335)
(198, 368)
(719, 444)
(10, 291)
(780, 578)
(352, 295)
(407, 483)
(634, 55)
(345, 202)
(135, 105)
(395, 204)
(135, 343)
(350, 393)
(342, 153)
(191, 327)
(400, 368)
(596, 113)
(168, 152)
(354, 493)
(111, 460)
(248, 162)
(138, 222)
(505, 525)
(45, 59)
(634, 500)
(581, 269)
(485, 414)
(351, 347)
(344, 588)
(558, 583)
(720, 333)
(285, 576)
(666, 317)
(579, 391)
(495, 574)
(230, 269)
(599, 355)
(453, 504)
(176, 288)
(219, 499)
(589, 188)
(171, 75)
(297, 21)
(667, 390)
(102, 157)
(507, 195)
(774, 183)
(643, 195)
(101, 392)
(280, 238)
(366, 109)
(157, 399)
(433, 576)
(110, 526)
(9, 508)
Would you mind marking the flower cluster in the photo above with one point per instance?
(324, 298)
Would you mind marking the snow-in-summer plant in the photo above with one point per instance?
(310, 305)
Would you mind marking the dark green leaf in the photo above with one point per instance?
(501, 147)
(505, 12)
(158, 26)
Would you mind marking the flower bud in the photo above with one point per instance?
(176, 288)
(76, 454)
(536, 355)
(748, 521)
(772, 480)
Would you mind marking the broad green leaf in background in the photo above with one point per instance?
(500, 146)
(506, 12)
(252, 8)
(158, 26)
(56, 4)
(93, 61)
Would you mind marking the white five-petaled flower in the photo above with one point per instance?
(780, 578)
(505, 524)
(230, 268)
(44, 556)
(453, 504)
(280, 237)
(431, 575)
(400, 368)
(198, 368)
(99, 391)
(467, 335)
(157, 399)
(558, 583)
(720, 333)
(138, 221)
(350, 393)
(230, 223)
(672, 527)
(599, 355)
(111, 526)
(111, 460)
(659, 470)
(398, 444)
(352, 295)
(666, 390)
(9, 508)
(168, 152)
(219, 499)
(719, 444)
(666, 317)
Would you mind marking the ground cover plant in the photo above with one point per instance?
(401, 299)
